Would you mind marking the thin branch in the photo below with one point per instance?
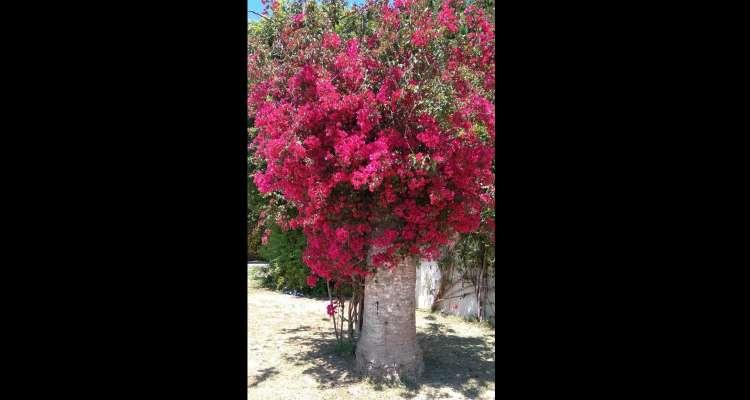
(260, 15)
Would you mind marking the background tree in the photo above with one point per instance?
(378, 128)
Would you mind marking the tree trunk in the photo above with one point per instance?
(387, 347)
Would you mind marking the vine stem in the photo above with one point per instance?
(330, 300)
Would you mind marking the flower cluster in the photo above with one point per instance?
(331, 308)
(385, 149)
(447, 17)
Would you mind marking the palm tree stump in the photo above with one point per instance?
(387, 347)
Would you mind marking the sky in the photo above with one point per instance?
(255, 5)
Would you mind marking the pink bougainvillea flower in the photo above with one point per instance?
(331, 40)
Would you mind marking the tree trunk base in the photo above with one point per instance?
(393, 367)
(388, 346)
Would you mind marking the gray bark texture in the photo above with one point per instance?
(387, 347)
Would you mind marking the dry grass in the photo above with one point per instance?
(292, 354)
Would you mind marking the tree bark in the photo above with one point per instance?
(330, 300)
(361, 310)
(387, 347)
(480, 286)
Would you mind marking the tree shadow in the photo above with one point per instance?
(303, 328)
(464, 364)
(331, 364)
(266, 373)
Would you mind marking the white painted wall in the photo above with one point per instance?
(460, 297)
(428, 281)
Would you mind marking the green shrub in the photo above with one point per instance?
(283, 250)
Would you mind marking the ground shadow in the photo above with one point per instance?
(464, 364)
(331, 364)
(303, 328)
(253, 381)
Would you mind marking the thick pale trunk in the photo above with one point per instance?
(387, 347)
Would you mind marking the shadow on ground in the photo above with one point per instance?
(332, 365)
(465, 364)
(303, 328)
(253, 381)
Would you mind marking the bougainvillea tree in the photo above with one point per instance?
(382, 137)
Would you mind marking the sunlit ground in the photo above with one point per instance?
(292, 354)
